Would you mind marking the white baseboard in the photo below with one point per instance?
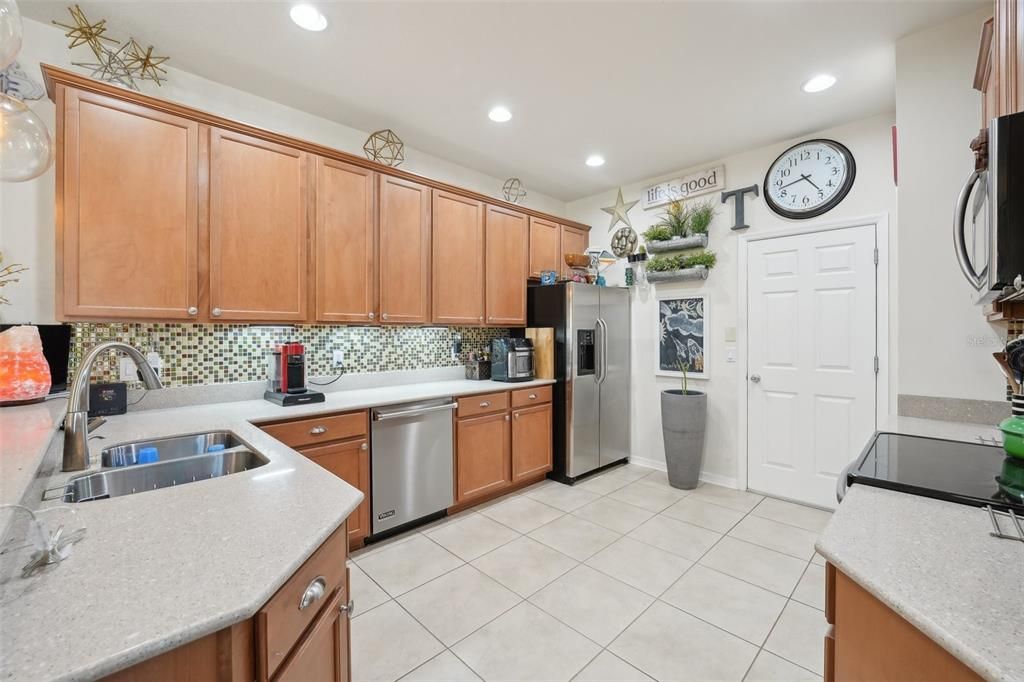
(714, 479)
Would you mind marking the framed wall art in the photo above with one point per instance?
(682, 343)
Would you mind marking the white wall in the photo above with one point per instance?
(946, 345)
(872, 194)
(26, 209)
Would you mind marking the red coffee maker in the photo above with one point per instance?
(286, 376)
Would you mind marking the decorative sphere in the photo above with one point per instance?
(25, 148)
(10, 32)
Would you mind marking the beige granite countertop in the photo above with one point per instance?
(165, 567)
(935, 564)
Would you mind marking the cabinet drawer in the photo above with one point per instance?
(472, 405)
(531, 396)
(283, 619)
(323, 429)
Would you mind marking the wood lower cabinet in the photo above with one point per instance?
(482, 456)
(545, 246)
(457, 273)
(258, 229)
(300, 635)
(869, 641)
(346, 242)
(506, 267)
(531, 441)
(404, 251)
(573, 240)
(127, 232)
(349, 460)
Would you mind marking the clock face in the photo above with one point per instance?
(809, 179)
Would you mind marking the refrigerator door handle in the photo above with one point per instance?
(601, 361)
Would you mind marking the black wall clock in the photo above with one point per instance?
(809, 178)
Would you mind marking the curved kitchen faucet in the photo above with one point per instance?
(76, 423)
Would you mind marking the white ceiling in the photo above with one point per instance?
(654, 87)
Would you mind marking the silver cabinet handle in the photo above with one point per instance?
(363, 446)
(486, 403)
(756, 378)
(384, 316)
(384, 416)
(349, 608)
(370, 315)
(517, 415)
(533, 396)
(192, 310)
(317, 430)
(216, 312)
(316, 590)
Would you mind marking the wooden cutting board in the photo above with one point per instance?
(543, 351)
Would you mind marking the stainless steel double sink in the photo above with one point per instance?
(183, 460)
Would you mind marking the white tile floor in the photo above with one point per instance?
(619, 578)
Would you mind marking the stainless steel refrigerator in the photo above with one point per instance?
(591, 396)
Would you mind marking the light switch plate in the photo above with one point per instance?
(127, 370)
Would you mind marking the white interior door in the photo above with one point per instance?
(811, 346)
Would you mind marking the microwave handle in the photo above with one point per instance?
(977, 279)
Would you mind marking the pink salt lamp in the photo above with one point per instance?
(24, 372)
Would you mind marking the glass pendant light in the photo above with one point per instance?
(10, 32)
(25, 147)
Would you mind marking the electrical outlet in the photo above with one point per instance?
(730, 354)
(338, 357)
(127, 370)
(154, 360)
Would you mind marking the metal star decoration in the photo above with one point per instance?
(143, 64)
(85, 33)
(110, 66)
(620, 211)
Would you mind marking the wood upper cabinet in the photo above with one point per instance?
(999, 73)
(404, 251)
(531, 441)
(545, 246)
(574, 240)
(506, 267)
(457, 281)
(258, 229)
(350, 461)
(482, 456)
(346, 242)
(127, 210)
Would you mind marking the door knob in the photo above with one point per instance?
(756, 378)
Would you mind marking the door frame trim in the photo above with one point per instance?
(885, 345)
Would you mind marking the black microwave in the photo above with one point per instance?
(989, 222)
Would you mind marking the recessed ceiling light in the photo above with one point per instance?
(308, 17)
(822, 81)
(595, 160)
(499, 114)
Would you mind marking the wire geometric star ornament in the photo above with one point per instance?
(142, 63)
(83, 32)
(383, 146)
(513, 190)
(110, 66)
(620, 211)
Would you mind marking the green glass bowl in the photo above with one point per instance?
(1013, 436)
(1011, 480)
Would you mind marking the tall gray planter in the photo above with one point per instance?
(683, 416)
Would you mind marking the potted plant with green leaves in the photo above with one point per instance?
(681, 227)
(680, 266)
(683, 418)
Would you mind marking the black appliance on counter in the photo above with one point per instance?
(954, 471)
(511, 359)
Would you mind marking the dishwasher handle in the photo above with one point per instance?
(415, 412)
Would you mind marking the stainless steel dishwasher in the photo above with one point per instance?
(411, 462)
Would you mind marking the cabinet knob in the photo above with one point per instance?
(317, 430)
(507, 418)
(371, 315)
(383, 316)
(517, 415)
(349, 608)
(481, 318)
(192, 310)
(486, 403)
(363, 446)
(316, 589)
(216, 312)
(533, 396)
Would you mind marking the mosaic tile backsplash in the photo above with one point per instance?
(223, 353)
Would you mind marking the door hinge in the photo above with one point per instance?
(876, 364)
(876, 255)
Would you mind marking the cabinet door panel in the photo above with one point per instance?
(321, 655)
(127, 237)
(481, 456)
(346, 242)
(349, 461)
(531, 441)
(545, 247)
(404, 251)
(506, 267)
(574, 240)
(258, 229)
(457, 275)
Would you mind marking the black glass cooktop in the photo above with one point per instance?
(966, 473)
